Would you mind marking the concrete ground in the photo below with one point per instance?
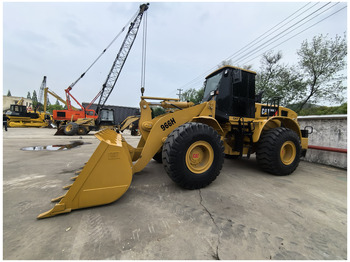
(244, 214)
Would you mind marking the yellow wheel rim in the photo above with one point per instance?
(69, 128)
(199, 157)
(288, 152)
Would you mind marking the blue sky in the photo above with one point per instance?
(185, 42)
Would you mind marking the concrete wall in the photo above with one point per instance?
(329, 131)
(10, 100)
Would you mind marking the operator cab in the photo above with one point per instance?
(234, 91)
(20, 111)
(106, 117)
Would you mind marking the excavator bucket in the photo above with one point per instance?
(104, 178)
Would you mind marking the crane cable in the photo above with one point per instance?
(114, 39)
(143, 63)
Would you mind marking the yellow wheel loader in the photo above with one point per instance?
(192, 141)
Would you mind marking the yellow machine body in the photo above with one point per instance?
(108, 173)
(104, 178)
(19, 121)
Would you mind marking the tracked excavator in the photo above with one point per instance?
(192, 141)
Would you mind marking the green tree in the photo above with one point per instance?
(278, 80)
(193, 95)
(229, 63)
(28, 95)
(324, 110)
(56, 106)
(35, 99)
(9, 93)
(225, 63)
(316, 77)
(157, 111)
(321, 62)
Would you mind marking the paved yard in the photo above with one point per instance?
(244, 214)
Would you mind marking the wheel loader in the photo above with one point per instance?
(192, 141)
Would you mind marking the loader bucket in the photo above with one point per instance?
(105, 177)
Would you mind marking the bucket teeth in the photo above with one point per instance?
(73, 178)
(57, 199)
(67, 187)
(99, 181)
(83, 166)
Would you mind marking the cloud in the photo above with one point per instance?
(61, 39)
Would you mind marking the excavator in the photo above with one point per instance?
(81, 122)
(191, 141)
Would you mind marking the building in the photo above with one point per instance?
(10, 100)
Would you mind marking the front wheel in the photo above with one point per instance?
(193, 155)
(70, 129)
(279, 151)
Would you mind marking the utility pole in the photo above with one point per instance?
(179, 94)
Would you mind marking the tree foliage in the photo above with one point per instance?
(157, 111)
(193, 95)
(9, 93)
(324, 110)
(29, 96)
(320, 62)
(35, 99)
(278, 80)
(50, 108)
(316, 77)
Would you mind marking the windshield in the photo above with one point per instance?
(211, 84)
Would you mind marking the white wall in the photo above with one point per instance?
(329, 131)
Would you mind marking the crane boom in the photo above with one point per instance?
(123, 53)
(41, 91)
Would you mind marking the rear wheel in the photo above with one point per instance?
(193, 155)
(70, 129)
(82, 130)
(279, 151)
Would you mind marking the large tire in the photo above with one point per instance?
(82, 130)
(279, 151)
(70, 129)
(158, 157)
(193, 155)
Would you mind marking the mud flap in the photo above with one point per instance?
(105, 177)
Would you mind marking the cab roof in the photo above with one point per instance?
(228, 66)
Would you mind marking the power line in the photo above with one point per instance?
(196, 80)
(300, 32)
(245, 47)
(285, 30)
